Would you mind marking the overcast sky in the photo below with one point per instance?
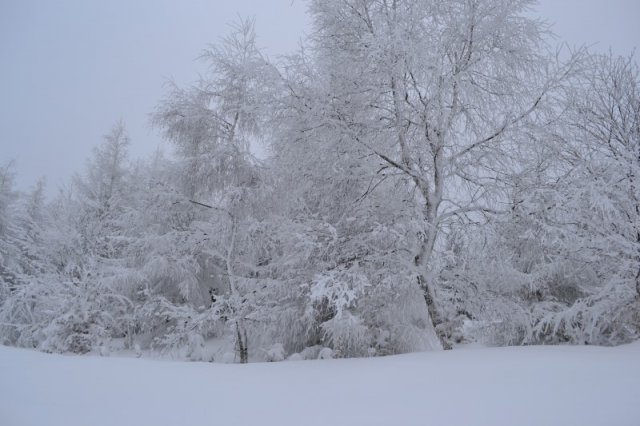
(70, 68)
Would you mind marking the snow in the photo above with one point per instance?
(542, 385)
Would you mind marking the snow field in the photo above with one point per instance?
(503, 386)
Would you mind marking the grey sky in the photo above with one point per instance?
(70, 68)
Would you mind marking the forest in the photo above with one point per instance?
(418, 175)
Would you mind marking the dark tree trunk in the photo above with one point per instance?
(241, 344)
(434, 313)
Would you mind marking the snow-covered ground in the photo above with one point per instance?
(508, 386)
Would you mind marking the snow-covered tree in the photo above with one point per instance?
(597, 199)
(420, 173)
(439, 93)
(213, 126)
(7, 250)
(212, 123)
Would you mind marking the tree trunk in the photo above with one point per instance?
(434, 314)
(241, 343)
(241, 332)
(425, 285)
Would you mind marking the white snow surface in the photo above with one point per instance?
(538, 386)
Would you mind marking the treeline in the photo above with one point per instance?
(419, 174)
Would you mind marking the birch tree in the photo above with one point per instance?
(213, 125)
(441, 93)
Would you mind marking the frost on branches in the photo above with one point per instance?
(418, 174)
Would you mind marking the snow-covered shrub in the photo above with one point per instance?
(347, 335)
(275, 353)
(179, 330)
(608, 318)
(58, 315)
(311, 352)
(336, 295)
(327, 353)
(295, 357)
